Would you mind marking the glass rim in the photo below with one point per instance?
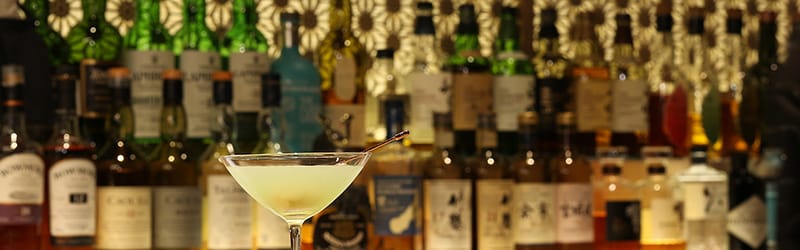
(294, 156)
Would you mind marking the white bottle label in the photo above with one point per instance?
(146, 100)
(747, 221)
(334, 113)
(665, 221)
(344, 78)
(431, 93)
(229, 214)
(21, 179)
(177, 217)
(512, 96)
(247, 68)
(628, 106)
(592, 101)
(72, 198)
(448, 214)
(273, 232)
(494, 199)
(534, 213)
(705, 200)
(574, 210)
(123, 218)
(471, 95)
(197, 68)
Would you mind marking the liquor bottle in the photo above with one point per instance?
(270, 229)
(730, 86)
(381, 81)
(396, 181)
(300, 90)
(147, 54)
(701, 78)
(228, 216)
(342, 62)
(768, 169)
(70, 201)
(343, 224)
(661, 227)
(37, 11)
(494, 190)
(705, 203)
(244, 53)
(552, 82)
(534, 210)
(21, 162)
(428, 84)
(757, 77)
(572, 177)
(123, 183)
(447, 197)
(590, 78)
(616, 207)
(177, 200)
(747, 211)
(665, 79)
(471, 91)
(628, 91)
(196, 48)
(512, 83)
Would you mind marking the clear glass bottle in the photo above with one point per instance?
(616, 207)
(628, 91)
(381, 81)
(572, 175)
(494, 189)
(590, 78)
(705, 203)
(552, 82)
(661, 227)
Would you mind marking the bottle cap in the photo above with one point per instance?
(467, 23)
(565, 119)
(291, 17)
(508, 10)
(223, 88)
(696, 24)
(548, 25)
(611, 169)
(528, 118)
(270, 90)
(119, 72)
(221, 75)
(385, 53)
(664, 19)
(733, 23)
(767, 16)
(424, 6)
(172, 74)
(172, 89)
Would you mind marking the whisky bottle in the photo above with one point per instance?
(342, 62)
(177, 200)
(472, 81)
(661, 227)
(534, 210)
(757, 77)
(147, 54)
(37, 11)
(705, 203)
(23, 193)
(665, 79)
(494, 190)
(590, 78)
(513, 82)
(616, 206)
(572, 177)
(701, 78)
(730, 86)
(628, 91)
(552, 83)
(747, 214)
(381, 81)
(123, 184)
(447, 197)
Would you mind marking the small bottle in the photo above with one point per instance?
(705, 203)
(616, 207)
(494, 189)
(661, 227)
(572, 177)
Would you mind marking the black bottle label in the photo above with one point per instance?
(622, 220)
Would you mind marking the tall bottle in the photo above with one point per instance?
(701, 78)
(705, 203)
(396, 181)
(177, 199)
(661, 227)
(616, 206)
(428, 84)
(572, 177)
(471, 92)
(551, 76)
(730, 87)
(447, 197)
(302, 101)
(590, 78)
(513, 82)
(196, 49)
(747, 215)
(21, 162)
(757, 77)
(534, 211)
(37, 11)
(147, 54)
(123, 185)
(70, 201)
(381, 81)
(494, 190)
(244, 49)
(628, 91)
(342, 62)
(666, 81)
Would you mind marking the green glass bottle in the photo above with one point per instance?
(37, 11)
(147, 54)
(513, 82)
(94, 37)
(197, 49)
(244, 49)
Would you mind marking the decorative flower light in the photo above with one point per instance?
(313, 22)
(269, 22)
(121, 14)
(366, 19)
(64, 14)
(445, 16)
(489, 20)
(171, 14)
(218, 16)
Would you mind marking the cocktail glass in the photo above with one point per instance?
(295, 186)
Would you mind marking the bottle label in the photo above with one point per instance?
(94, 95)
(512, 96)
(551, 96)
(592, 99)
(494, 199)
(72, 198)
(448, 214)
(229, 214)
(123, 218)
(622, 220)
(705, 200)
(21, 189)
(197, 68)
(273, 232)
(628, 106)
(247, 68)
(574, 211)
(146, 100)
(534, 213)
(344, 78)
(177, 217)
(747, 221)
(395, 205)
(665, 221)
(472, 95)
(335, 113)
(431, 94)
(301, 103)
(344, 225)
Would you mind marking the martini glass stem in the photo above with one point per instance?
(294, 232)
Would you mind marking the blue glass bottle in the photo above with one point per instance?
(300, 84)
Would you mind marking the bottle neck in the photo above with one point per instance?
(548, 46)
(194, 13)
(527, 137)
(425, 54)
(623, 51)
(443, 139)
(66, 123)
(224, 123)
(767, 46)
(14, 120)
(507, 35)
(269, 127)
(173, 123)
(291, 37)
(146, 12)
(121, 122)
(244, 13)
(340, 15)
(93, 10)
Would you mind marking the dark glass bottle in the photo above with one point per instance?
(747, 213)
(37, 11)
(628, 91)
(572, 177)
(751, 109)
(493, 187)
(590, 78)
(552, 82)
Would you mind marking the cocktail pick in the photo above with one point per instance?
(396, 137)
